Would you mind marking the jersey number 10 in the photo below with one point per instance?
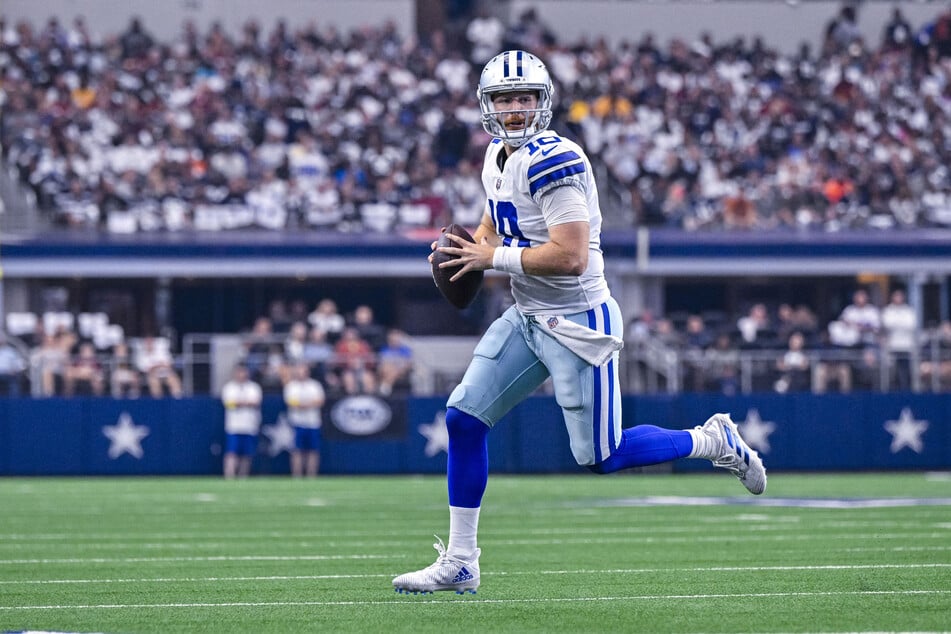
(505, 216)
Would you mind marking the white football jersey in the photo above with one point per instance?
(544, 163)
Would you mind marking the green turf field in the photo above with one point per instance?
(624, 553)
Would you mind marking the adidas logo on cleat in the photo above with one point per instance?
(462, 575)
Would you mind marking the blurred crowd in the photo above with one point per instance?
(875, 343)
(61, 354)
(787, 348)
(303, 126)
(347, 354)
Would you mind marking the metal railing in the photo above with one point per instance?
(654, 366)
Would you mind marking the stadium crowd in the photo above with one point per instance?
(311, 127)
(870, 345)
(62, 354)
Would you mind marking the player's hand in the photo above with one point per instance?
(432, 246)
(470, 256)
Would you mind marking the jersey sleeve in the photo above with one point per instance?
(555, 165)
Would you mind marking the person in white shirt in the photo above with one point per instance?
(304, 397)
(900, 325)
(241, 398)
(863, 317)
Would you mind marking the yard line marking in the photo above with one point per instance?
(474, 601)
(896, 549)
(136, 560)
(623, 538)
(582, 571)
(787, 502)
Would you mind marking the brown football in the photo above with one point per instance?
(461, 292)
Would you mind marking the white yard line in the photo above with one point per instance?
(616, 571)
(476, 601)
(622, 538)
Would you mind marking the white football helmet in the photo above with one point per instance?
(515, 71)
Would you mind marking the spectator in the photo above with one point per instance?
(135, 42)
(124, 380)
(722, 364)
(272, 375)
(793, 366)
(355, 362)
(318, 354)
(50, 358)
(304, 397)
(12, 369)
(395, 363)
(154, 360)
(842, 31)
(241, 398)
(900, 325)
(755, 326)
(279, 317)
(839, 345)
(936, 366)
(257, 346)
(295, 342)
(484, 33)
(697, 339)
(366, 326)
(897, 34)
(84, 374)
(326, 318)
(863, 318)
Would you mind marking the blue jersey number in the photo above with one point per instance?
(538, 144)
(505, 216)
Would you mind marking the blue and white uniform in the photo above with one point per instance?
(516, 355)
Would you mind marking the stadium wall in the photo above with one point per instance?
(368, 435)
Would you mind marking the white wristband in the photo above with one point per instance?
(508, 259)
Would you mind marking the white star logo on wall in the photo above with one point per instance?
(281, 435)
(125, 437)
(437, 436)
(906, 432)
(756, 431)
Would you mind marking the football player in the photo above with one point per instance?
(542, 225)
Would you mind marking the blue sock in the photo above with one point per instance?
(645, 445)
(468, 468)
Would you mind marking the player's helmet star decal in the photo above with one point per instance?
(125, 437)
(906, 432)
(437, 436)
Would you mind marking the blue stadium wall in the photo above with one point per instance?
(370, 436)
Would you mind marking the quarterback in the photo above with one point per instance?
(542, 225)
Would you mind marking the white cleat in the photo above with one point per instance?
(733, 454)
(447, 573)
